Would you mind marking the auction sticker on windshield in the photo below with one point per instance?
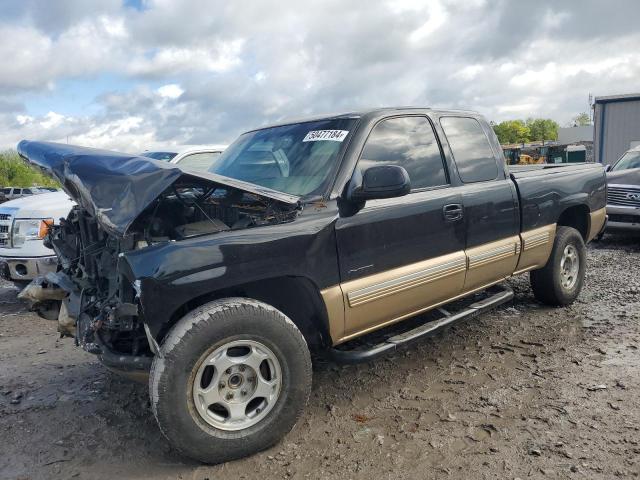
(331, 135)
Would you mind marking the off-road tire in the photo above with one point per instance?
(546, 282)
(203, 330)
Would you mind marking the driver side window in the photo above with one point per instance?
(408, 142)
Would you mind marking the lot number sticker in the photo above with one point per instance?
(330, 135)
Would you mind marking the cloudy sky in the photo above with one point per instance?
(137, 74)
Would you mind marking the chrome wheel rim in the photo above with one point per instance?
(237, 385)
(569, 267)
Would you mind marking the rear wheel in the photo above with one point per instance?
(559, 282)
(231, 379)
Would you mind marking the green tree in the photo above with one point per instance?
(520, 131)
(581, 120)
(15, 172)
(542, 129)
(512, 131)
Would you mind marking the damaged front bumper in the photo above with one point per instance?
(27, 268)
(57, 287)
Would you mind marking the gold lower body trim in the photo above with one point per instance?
(597, 219)
(490, 261)
(371, 301)
(536, 248)
(334, 304)
(360, 306)
(415, 312)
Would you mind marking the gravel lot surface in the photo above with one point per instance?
(526, 391)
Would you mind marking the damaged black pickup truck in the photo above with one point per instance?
(328, 235)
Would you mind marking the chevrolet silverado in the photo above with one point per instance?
(327, 235)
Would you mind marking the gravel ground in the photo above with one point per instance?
(524, 392)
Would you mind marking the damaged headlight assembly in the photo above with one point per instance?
(29, 229)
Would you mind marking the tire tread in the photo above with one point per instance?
(193, 326)
(545, 282)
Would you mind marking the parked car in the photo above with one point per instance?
(11, 193)
(192, 158)
(23, 224)
(303, 236)
(623, 192)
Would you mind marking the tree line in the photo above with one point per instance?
(533, 129)
(15, 172)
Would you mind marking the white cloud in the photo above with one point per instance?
(190, 73)
(517, 109)
(24, 119)
(172, 90)
(172, 60)
(437, 18)
(470, 72)
(51, 120)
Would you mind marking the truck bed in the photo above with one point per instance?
(545, 168)
(547, 190)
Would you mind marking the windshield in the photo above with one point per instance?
(297, 159)
(166, 156)
(629, 160)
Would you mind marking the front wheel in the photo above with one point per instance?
(559, 282)
(232, 378)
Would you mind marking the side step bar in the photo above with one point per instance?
(360, 355)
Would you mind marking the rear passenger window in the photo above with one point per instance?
(471, 149)
(410, 143)
(17, 191)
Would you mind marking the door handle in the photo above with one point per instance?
(452, 212)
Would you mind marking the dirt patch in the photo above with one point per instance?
(524, 392)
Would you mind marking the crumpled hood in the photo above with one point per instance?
(624, 177)
(116, 187)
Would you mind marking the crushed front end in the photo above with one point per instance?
(101, 301)
(125, 205)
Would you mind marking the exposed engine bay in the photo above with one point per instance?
(104, 303)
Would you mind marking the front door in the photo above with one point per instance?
(402, 255)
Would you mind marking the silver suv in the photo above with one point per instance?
(623, 192)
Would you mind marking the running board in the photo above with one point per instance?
(360, 355)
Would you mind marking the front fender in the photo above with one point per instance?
(170, 275)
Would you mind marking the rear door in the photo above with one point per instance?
(402, 255)
(490, 202)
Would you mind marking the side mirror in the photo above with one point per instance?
(607, 167)
(380, 181)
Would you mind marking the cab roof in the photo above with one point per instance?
(369, 113)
